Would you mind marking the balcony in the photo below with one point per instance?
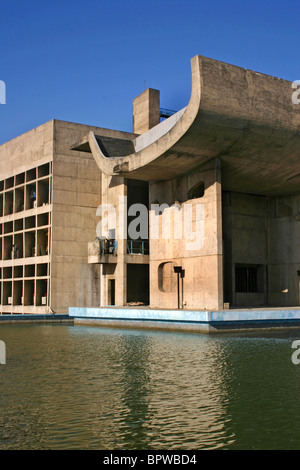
(138, 247)
(106, 251)
(137, 252)
(102, 251)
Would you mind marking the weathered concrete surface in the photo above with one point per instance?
(244, 118)
(146, 112)
(27, 150)
(264, 232)
(198, 253)
(247, 122)
(197, 321)
(76, 196)
(38, 282)
(239, 136)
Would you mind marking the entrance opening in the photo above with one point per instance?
(246, 278)
(138, 284)
(138, 193)
(250, 285)
(111, 292)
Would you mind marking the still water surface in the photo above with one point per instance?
(76, 387)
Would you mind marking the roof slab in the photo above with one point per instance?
(245, 119)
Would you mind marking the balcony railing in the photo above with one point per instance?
(108, 247)
(137, 247)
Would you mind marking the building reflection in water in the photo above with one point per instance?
(173, 392)
(92, 388)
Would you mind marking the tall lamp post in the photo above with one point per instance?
(180, 274)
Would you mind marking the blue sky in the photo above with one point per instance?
(85, 61)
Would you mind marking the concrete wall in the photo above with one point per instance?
(264, 232)
(25, 168)
(27, 150)
(76, 196)
(245, 231)
(203, 282)
(284, 242)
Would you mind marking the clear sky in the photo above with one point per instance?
(86, 60)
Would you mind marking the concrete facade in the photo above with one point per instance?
(48, 201)
(202, 284)
(238, 137)
(262, 232)
(230, 160)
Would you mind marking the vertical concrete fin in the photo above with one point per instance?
(146, 111)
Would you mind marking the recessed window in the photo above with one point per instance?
(246, 279)
(166, 278)
(196, 191)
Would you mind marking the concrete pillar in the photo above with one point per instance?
(146, 111)
(219, 234)
(113, 193)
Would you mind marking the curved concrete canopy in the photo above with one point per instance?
(245, 119)
(144, 163)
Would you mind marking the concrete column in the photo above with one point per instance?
(121, 268)
(219, 232)
(146, 111)
(113, 193)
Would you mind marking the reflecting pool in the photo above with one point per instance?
(78, 387)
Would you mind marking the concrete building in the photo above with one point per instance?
(230, 160)
(48, 201)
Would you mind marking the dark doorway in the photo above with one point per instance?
(111, 291)
(138, 283)
(137, 193)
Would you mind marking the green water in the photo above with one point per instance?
(73, 387)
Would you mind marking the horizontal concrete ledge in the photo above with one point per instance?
(187, 320)
(141, 314)
(36, 318)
